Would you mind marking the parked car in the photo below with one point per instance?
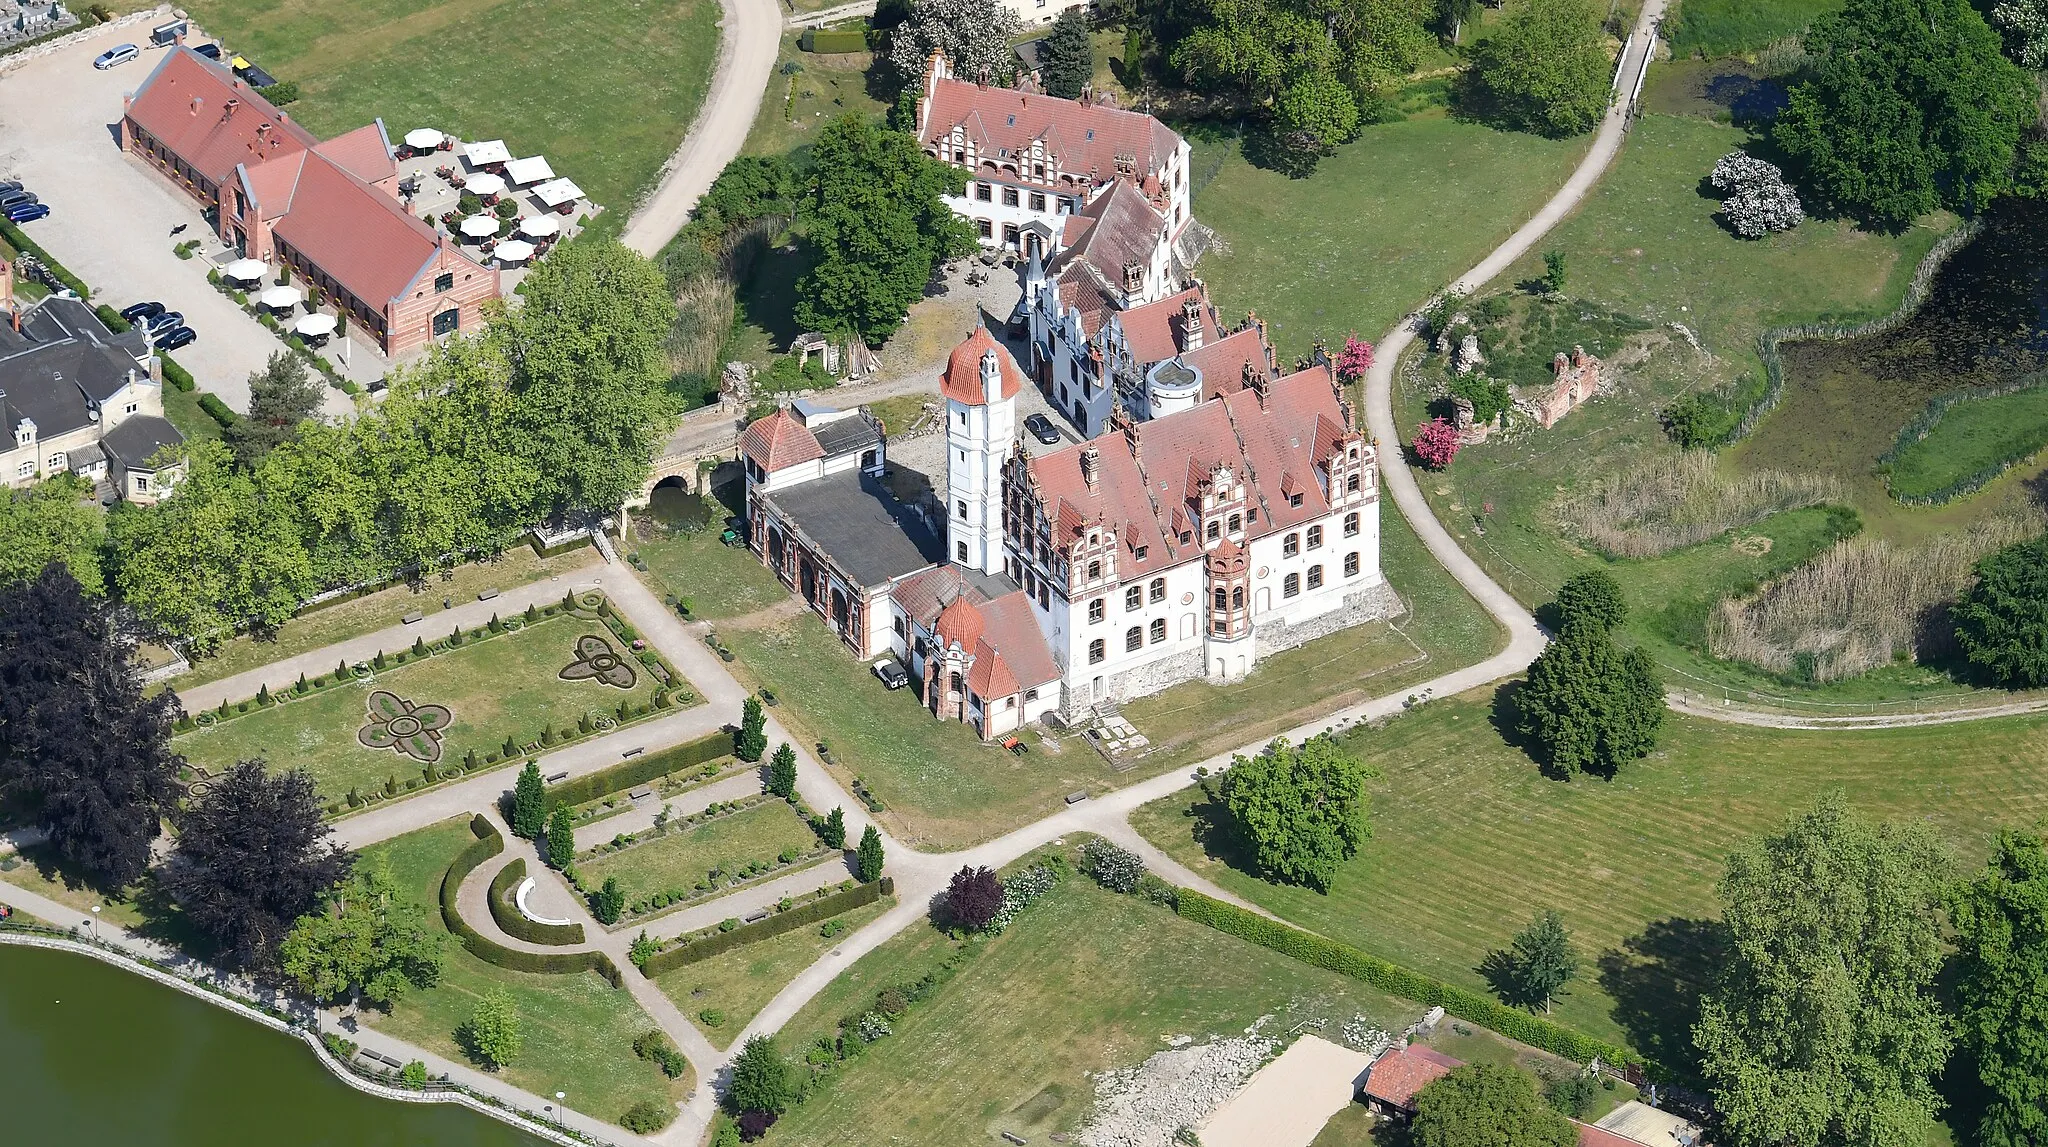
(210, 51)
(163, 321)
(115, 56)
(27, 212)
(142, 311)
(9, 186)
(18, 198)
(175, 338)
(891, 674)
(1042, 429)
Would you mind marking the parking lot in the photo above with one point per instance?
(111, 218)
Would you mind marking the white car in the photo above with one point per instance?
(116, 56)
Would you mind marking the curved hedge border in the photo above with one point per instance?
(514, 922)
(488, 844)
(1916, 293)
(1930, 416)
(718, 943)
(1324, 953)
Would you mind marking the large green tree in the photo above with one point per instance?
(1906, 105)
(54, 520)
(1824, 1028)
(2002, 620)
(365, 939)
(761, 1078)
(1588, 705)
(1066, 57)
(1487, 1105)
(876, 226)
(1545, 71)
(1257, 49)
(2001, 990)
(281, 395)
(1301, 809)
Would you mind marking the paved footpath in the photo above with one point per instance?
(732, 788)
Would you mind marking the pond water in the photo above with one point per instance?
(90, 1054)
(678, 509)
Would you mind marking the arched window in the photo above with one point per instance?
(1096, 651)
(1237, 597)
(1290, 545)
(957, 684)
(1158, 589)
(1351, 525)
(1215, 529)
(1351, 564)
(1158, 630)
(1134, 598)
(1134, 639)
(1351, 484)
(1236, 522)
(1315, 577)
(1290, 586)
(1095, 611)
(1222, 598)
(1315, 537)
(1094, 570)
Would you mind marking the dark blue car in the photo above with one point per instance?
(141, 311)
(27, 212)
(175, 338)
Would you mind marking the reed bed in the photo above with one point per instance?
(1672, 501)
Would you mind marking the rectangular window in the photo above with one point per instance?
(1294, 499)
(1010, 234)
(984, 192)
(1095, 611)
(1315, 577)
(1044, 596)
(987, 229)
(444, 282)
(1351, 525)
(1140, 552)
(1009, 197)
(1315, 537)
(1134, 598)
(1038, 200)
(1290, 545)
(960, 551)
(446, 322)
(960, 508)
(1351, 564)
(1290, 586)
(1223, 598)
(1096, 651)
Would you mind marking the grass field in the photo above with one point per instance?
(181, 408)
(1380, 226)
(605, 91)
(718, 581)
(801, 101)
(387, 607)
(741, 982)
(1727, 27)
(1469, 840)
(579, 1029)
(683, 859)
(1084, 981)
(508, 686)
(1971, 437)
(39, 871)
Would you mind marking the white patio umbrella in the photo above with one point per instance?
(484, 184)
(539, 226)
(423, 139)
(281, 298)
(245, 270)
(556, 192)
(486, 151)
(514, 251)
(480, 226)
(315, 325)
(532, 169)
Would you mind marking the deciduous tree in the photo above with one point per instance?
(974, 36)
(365, 939)
(1589, 705)
(80, 747)
(2001, 992)
(876, 226)
(1591, 601)
(1487, 1105)
(1301, 810)
(2002, 620)
(2025, 24)
(974, 898)
(1824, 1027)
(1545, 71)
(867, 859)
(1066, 57)
(493, 1034)
(1355, 359)
(252, 858)
(760, 1078)
(52, 521)
(1436, 443)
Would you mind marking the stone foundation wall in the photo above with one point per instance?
(1369, 604)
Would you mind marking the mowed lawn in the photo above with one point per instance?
(604, 90)
(507, 686)
(1378, 228)
(383, 609)
(1469, 840)
(716, 580)
(1084, 981)
(1972, 437)
(741, 982)
(683, 859)
(578, 1029)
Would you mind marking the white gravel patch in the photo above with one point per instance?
(1143, 1106)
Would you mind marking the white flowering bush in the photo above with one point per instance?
(1117, 869)
(1018, 893)
(973, 34)
(1759, 200)
(872, 1026)
(2025, 22)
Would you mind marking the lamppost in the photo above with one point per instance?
(95, 921)
(559, 1096)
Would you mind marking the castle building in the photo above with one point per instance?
(1184, 546)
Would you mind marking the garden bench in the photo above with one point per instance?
(415, 617)
(487, 595)
(559, 777)
(1077, 797)
(1015, 1138)
(758, 916)
(634, 751)
(641, 795)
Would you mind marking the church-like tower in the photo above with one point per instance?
(980, 385)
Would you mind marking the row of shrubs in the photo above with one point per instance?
(490, 843)
(665, 786)
(715, 942)
(640, 770)
(27, 246)
(514, 923)
(718, 879)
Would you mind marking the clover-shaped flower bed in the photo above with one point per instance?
(595, 660)
(396, 723)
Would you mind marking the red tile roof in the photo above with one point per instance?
(1222, 360)
(1119, 499)
(1018, 656)
(962, 380)
(364, 153)
(959, 624)
(185, 106)
(779, 440)
(1084, 139)
(1395, 1077)
(1153, 330)
(1591, 1136)
(356, 233)
(271, 183)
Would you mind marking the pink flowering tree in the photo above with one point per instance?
(1355, 359)
(1436, 443)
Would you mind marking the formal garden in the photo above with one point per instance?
(411, 718)
(696, 857)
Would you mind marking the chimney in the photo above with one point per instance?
(1261, 383)
(6, 285)
(1134, 277)
(1091, 465)
(1191, 324)
(991, 377)
(197, 103)
(227, 110)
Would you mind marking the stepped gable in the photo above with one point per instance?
(779, 440)
(962, 380)
(1086, 138)
(1120, 498)
(1284, 440)
(209, 117)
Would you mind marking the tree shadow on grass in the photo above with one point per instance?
(1657, 978)
(1506, 718)
(1210, 827)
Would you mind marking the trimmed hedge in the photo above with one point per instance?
(26, 245)
(218, 410)
(489, 843)
(776, 925)
(177, 375)
(640, 770)
(514, 923)
(835, 41)
(1324, 953)
(112, 319)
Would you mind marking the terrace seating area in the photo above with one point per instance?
(510, 211)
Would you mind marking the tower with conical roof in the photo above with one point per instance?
(980, 386)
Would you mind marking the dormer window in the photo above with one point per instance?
(1294, 500)
(1012, 120)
